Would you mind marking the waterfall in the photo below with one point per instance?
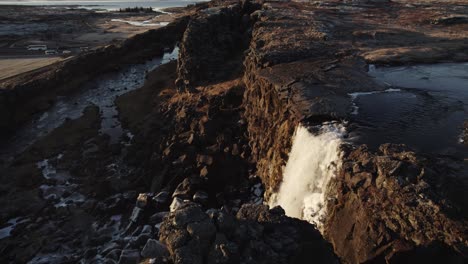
(313, 161)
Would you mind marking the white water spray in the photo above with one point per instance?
(313, 161)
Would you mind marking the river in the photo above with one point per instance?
(101, 92)
(424, 108)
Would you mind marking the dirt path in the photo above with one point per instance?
(12, 67)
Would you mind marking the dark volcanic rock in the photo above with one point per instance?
(214, 36)
(162, 198)
(154, 249)
(200, 197)
(187, 188)
(248, 74)
(294, 73)
(255, 235)
(392, 206)
(302, 62)
(304, 59)
(129, 257)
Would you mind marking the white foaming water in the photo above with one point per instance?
(313, 161)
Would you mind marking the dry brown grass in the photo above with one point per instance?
(12, 67)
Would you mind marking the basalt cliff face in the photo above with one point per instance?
(223, 33)
(211, 135)
(396, 206)
(388, 206)
(207, 161)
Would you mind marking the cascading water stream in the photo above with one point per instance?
(314, 160)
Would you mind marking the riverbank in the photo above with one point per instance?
(26, 95)
(65, 31)
(59, 150)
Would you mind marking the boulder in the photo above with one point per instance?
(109, 247)
(190, 213)
(176, 204)
(129, 256)
(136, 214)
(255, 235)
(154, 249)
(157, 217)
(139, 241)
(114, 254)
(162, 198)
(187, 188)
(142, 200)
(147, 229)
(201, 197)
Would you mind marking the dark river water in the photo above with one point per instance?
(60, 187)
(424, 108)
(101, 92)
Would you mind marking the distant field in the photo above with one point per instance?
(12, 67)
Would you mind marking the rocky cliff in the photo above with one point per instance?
(294, 73)
(207, 161)
(214, 41)
(299, 68)
(210, 137)
(395, 206)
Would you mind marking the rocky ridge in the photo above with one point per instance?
(220, 31)
(215, 171)
(308, 84)
(206, 151)
(395, 207)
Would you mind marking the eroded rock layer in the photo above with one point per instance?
(254, 235)
(302, 62)
(398, 207)
(214, 40)
(300, 66)
(208, 139)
